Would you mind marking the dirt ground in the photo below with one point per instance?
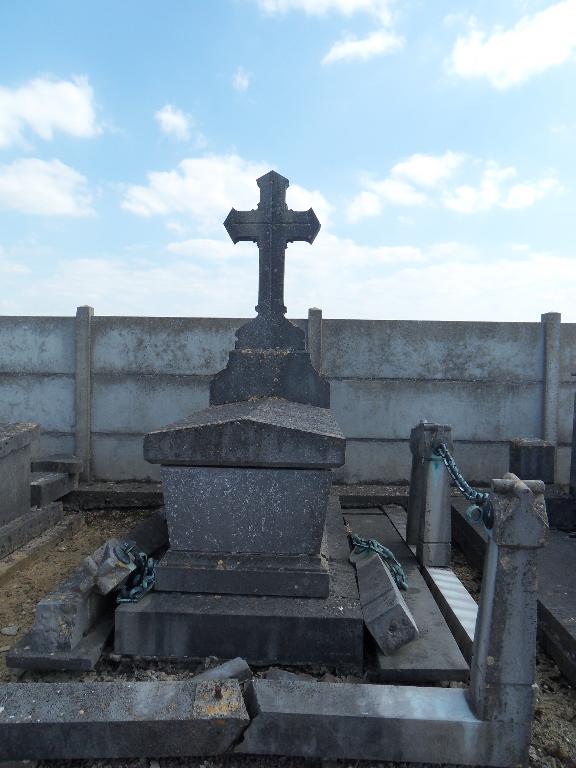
(554, 729)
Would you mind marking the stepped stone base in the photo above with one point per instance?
(263, 630)
(23, 529)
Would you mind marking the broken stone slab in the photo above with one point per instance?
(70, 625)
(393, 723)
(119, 719)
(386, 615)
(266, 432)
(235, 668)
(58, 462)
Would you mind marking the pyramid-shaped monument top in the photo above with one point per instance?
(272, 225)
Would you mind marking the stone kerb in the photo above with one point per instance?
(16, 441)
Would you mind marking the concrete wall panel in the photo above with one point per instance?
(47, 400)
(476, 410)
(140, 404)
(37, 345)
(432, 350)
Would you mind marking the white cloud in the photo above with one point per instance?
(352, 49)
(428, 170)
(44, 188)
(510, 57)
(205, 188)
(45, 106)
(173, 122)
(449, 180)
(241, 80)
(380, 9)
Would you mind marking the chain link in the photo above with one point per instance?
(387, 556)
(481, 507)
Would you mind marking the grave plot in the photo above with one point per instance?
(254, 561)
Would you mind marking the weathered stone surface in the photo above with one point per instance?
(533, 459)
(243, 574)
(281, 374)
(119, 719)
(58, 462)
(258, 433)
(15, 449)
(268, 630)
(235, 668)
(388, 723)
(50, 486)
(221, 509)
(386, 615)
(26, 527)
(151, 534)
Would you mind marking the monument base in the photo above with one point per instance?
(243, 574)
(263, 630)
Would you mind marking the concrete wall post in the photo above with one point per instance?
(573, 453)
(83, 394)
(502, 672)
(552, 327)
(429, 516)
(314, 337)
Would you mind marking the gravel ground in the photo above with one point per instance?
(554, 729)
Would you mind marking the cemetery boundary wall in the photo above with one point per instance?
(97, 384)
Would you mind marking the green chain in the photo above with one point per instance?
(390, 561)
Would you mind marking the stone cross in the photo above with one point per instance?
(272, 225)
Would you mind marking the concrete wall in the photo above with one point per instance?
(491, 381)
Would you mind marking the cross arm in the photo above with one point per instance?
(242, 225)
(302, 225)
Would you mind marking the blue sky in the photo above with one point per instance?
(435, 141)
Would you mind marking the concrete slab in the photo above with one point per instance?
(457, 605)
(113, 495)
(376, 722)
(434, 656)
(57, 462)
(119, 719)
(26, 527)
(264, 630)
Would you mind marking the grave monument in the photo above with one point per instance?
(258, 559)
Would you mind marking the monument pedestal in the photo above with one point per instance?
(263, 629)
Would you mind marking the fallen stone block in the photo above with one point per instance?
(75, 721)
(237, 669)
(50, 486)
(386, 615)
(58, 462)
(26, 527)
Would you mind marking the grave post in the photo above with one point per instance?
(503, 664)
(573, 454)
(552, 327)
(429, 521)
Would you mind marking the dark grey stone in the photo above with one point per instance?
(235, 668)
(150, 535)
(243, 574)
(221, 509)
(386, 615)
(80, 658)
(119, 719)
(434, 656)
(533, 459)
(50, 486)
(257, 433)
(26, 527)
(400, 724)
(255, 373)
(57, 462)
(572, 481)
(15, 450)
(115, 495)
(266, 630)
(269, 359)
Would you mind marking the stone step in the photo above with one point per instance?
(26, 527)
(50, 486)
(58, 462)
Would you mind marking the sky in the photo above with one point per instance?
(436, 142)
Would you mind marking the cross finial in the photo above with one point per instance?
(272, 225)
